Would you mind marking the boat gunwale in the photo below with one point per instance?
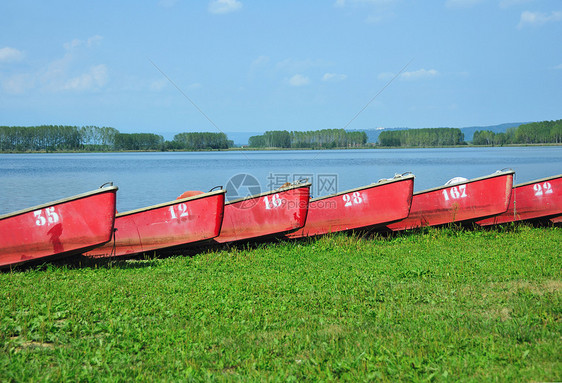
(170, 203)
(60, 201)
(537, 181)
(280, 190)
(373, 185)
(493, 175)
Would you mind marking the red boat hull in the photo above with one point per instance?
(361, 208)
(540, 199)
(266, 215)
(175, 223)
(58, 228)
(462, 202)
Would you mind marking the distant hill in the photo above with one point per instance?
(501, 128)
(241, 138)
(373, 134)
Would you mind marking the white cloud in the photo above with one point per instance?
(538, 18)
(56, 72)
(158, 85)
(292, 65)
(413, 75)
(386, 75)
(224, 6)
(62, 74)
(299, 80)
(461, 3)
(94, 79)
(161, 84)
(334, 77)
(94, 40)
(343, 3)
(72, 44)
(18, 84)
(419, 74)
(559, 66)
(375, 19)
(509, 3)
(8, 54)
(260, 61)
(56, 78)
(90, 42)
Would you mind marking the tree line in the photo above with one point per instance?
(425, 137)
(50, 138)
(315, 139)
(533, 133)
(199, 141)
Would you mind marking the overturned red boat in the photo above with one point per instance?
(459, 201)
(267, 215)
(534, 200)
(366, 207)
(194, 218)
(59, 228)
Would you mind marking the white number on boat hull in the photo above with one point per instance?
(48, 215)
(276, 201)
(179, 211)
(353, 199)
(545, 188)
(455, 192)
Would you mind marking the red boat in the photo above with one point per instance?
(267, 215)
(59, 228)
(539, 199)
(194, 217)
(461, 201)
(362, 208)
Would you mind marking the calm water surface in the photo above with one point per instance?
(149, 178)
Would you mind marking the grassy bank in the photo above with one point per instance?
(443, 305)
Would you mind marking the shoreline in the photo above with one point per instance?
(373, 147)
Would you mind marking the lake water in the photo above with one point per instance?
(146, 179)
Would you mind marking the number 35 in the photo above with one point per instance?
(49, 215)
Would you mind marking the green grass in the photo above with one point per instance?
(437, 305)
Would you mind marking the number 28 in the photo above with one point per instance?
(353, 199)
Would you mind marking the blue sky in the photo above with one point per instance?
(253, 66)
